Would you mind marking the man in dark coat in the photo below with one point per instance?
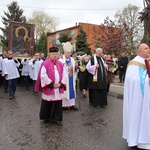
(97, 84)
(122, 66)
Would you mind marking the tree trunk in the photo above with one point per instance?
(146, 19)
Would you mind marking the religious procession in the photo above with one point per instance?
(75, 93)
(58, 77)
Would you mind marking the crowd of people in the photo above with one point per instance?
(56, 78)
(88, 73)
(16, 71)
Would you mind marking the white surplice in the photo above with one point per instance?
(25, 68)
(12, 69)
(136, 104)
(3, 66)
(45, 80)
(34, 68)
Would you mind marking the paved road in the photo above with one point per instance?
(87, 129)
(116, 88)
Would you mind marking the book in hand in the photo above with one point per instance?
(147, 63)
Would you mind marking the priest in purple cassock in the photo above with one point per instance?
(51, 82)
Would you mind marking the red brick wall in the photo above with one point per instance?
(89, 29)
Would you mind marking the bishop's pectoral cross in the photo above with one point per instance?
(70, 70)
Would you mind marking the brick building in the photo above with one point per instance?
(96, 36)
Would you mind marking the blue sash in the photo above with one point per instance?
(143, 73)
(71, 89)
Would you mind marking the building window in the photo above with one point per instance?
(51, 38)
(57, 38)
(72, 33)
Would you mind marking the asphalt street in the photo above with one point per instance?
(89, 128)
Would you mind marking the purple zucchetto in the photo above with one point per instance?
(53, 49)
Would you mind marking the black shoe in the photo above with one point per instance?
(65, 108)
(103, 106)
(84, 95)
(46, 121)
(59, 123)
(11, 97)
(98, 107)
(74, 108)
(6, 91)
(36, 93)
(28, 89)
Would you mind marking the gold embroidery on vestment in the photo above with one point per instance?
(136, 63)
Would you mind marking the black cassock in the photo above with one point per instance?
(97, 90)
(51, 110)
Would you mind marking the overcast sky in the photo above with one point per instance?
(69, 12)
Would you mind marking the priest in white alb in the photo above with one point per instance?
(136, 101)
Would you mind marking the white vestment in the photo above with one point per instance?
(12, 69)
(3, 66)
(67, 102)
(25, 68)
(136, 104)
(45, 80)
(1, 59)
(35, 67)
